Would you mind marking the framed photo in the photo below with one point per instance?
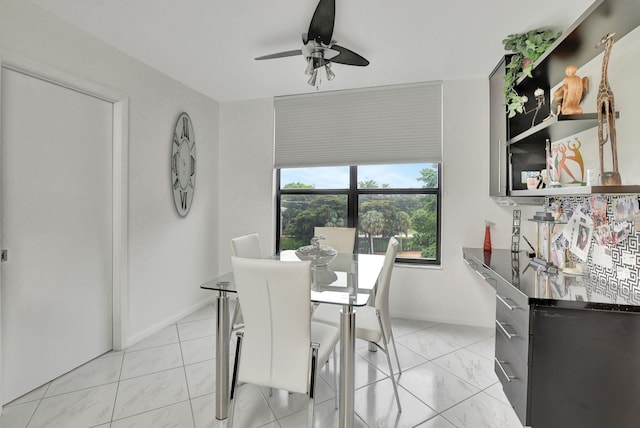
(624, 208)
(581, 234)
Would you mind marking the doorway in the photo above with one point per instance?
(61, 224)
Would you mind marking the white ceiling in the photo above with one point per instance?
(209, 45)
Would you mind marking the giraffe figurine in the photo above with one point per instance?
(607, 117)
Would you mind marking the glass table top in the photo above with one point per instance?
(346, 280)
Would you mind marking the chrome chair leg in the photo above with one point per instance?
(234, 379)
(234, 317)
(395, 351)
(386, 352)
(312, 385)
(335, 378)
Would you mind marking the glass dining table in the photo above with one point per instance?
(348, 280)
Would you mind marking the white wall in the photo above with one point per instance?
(169, 256)
(452, 293)
(246, 180)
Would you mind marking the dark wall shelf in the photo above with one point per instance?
(522, 143)
(558, 127)
(579, 44)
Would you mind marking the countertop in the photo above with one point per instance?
(579, 292)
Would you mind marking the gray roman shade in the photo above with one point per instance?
(379, 125)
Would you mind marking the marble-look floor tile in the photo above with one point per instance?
(376, 405)
(436, 387)
(365, 373)
(84, 408)
(437, 422)
(436, 360)
(408, 358)
(34, 395)
(197, 350)
(427, 344)
(166, 336)
(251, 409)
(485, 347)
(482, 410)
(401, 326)
(18, 415)
(151, 360)
(470, 367)
(462, 335)
(282, 403)
(175, 416)
(144, 393)
(325, 416)
(201, 378)
(497, 392)
(206, 312)
(204, 412)
(196, 329)
(273, 424)
(100, 371)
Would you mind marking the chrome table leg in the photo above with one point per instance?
(222, 356)
(347, 366)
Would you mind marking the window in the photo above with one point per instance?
(381, 201)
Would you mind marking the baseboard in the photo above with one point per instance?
(444, 320)
(168, 321)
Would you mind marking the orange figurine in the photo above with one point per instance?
(572, 91)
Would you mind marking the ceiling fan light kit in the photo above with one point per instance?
(318, 47)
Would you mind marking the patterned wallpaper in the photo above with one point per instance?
(612, 253)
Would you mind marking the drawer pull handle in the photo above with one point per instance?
(504, 302)
(504, 330)
(504, 372)
(470, 263)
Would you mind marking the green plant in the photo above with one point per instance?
(527, 48)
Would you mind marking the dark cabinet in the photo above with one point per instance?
(517, 145)
(498, 133)
(585, 370)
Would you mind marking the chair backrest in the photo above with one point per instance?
(247, 246)
(340, 238)
(382, 289)
(274, 296)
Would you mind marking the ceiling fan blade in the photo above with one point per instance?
(280, 55)
(321, 26)
(348, 57)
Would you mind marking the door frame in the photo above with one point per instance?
(120, 177)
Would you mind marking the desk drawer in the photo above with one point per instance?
(515, 304)
(512, 332)
(481, 270)
(513, 374)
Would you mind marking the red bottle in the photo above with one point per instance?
(487, 235)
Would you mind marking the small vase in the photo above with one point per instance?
(487, 238)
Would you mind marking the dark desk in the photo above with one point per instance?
(567, 347)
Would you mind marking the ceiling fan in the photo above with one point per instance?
(318, 48)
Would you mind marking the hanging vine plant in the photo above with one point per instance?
(527, 48)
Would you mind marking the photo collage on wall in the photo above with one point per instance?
(599, 231)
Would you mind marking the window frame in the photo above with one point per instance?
(353, 193)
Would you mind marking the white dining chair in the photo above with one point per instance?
(340, 238)
(247, 246)
(373, 323)
(280, 346)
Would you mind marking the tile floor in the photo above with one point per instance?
(168, 380)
